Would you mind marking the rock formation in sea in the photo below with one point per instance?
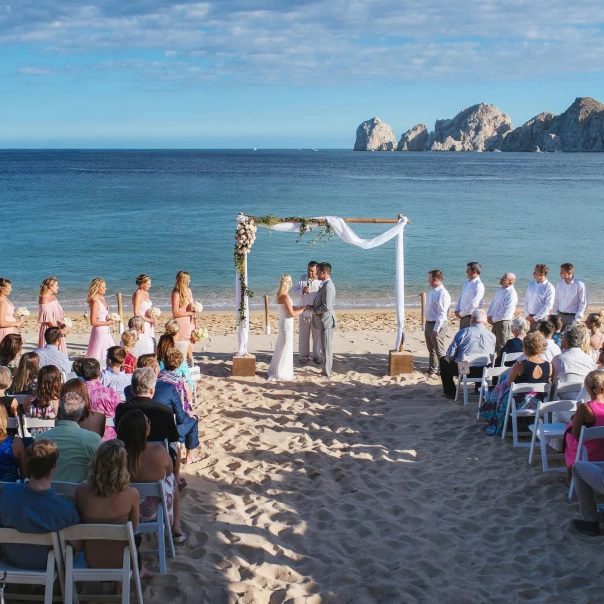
(375, 135)
(533, 136)
(415, 139)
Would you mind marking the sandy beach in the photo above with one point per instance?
(363, 489)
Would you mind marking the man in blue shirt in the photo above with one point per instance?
(113, 376)
(34, 507)
(50, 354)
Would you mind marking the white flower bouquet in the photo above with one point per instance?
(22, 312)
(114, 317)
(155, 312)
(245, 237)
(201, 333)
(66, 322)
(196, 307)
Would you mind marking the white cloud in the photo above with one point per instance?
(322, 41)
(33, 71)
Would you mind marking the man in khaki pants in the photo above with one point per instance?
(438, 302)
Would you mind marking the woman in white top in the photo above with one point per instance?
(282, 363)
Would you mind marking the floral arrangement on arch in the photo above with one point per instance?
(245, 236)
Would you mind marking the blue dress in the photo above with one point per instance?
(9, 465)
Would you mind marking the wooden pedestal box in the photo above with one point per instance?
(244, 366)
(400, 362)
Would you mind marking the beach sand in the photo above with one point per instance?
(363, 489)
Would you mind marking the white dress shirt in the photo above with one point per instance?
(309, 298)
(504, 304)
(438, 302)
(570, 298)
(471, 297)
(539, 300)
(572, 364)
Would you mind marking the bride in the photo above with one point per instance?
(282, 363)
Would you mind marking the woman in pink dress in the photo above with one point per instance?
(182, 299)
(8, 322)
(142, 304)
(50, 313)
(590, 415)
(100, 336)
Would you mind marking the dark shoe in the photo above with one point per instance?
(303, 361)
(451, 396)
(587, 528)
(318, 361)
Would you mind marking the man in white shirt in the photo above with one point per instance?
(570, 302)
(471, 295)
(502, 308)
(307, 287)
(539, 297)
(145, 343)
(436, 313)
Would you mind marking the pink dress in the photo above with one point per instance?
(186, 324)
(144, 307)
(50, 312)
(100, 337)
(595, 448)
(4, 331)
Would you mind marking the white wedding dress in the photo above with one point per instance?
(282, 363)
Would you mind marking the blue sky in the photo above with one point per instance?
(282, 73)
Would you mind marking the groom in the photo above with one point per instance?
(324, 316)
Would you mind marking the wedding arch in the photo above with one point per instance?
(328, 227)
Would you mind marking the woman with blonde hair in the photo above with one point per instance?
(594, 323)
(8, 322)
(172, 328)
(182, 312)
(50, 313)
(141, 304)
(129, 340)
(282, 363)
(100, 335)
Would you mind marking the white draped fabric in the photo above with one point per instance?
(347, 235)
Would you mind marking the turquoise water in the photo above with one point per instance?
(114, 214)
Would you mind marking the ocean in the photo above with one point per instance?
(114, 214)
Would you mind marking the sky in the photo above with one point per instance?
(282, 73)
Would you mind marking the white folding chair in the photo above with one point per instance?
(109, 422)
(566, 390)
(65, 489)
(476, 360)
(77, 570)
(69, 375)
(34, 422)
(544, 430)
(516, 413)
(47, 577)
(587, 434)
(488, 373)
(14, 423)
(161, 525)
(509, 357)
(196, 375)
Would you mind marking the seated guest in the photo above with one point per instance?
(572, 364)
(50, 354)
(473, 340)
(129, 340)
(589, 482)
(520, 327)
(9, 402)
(160, 416)
(101, 398)
(186, 423)
(145, 343)
(589, 414)
(150, 462)
(107, 498)
(113, 376)
(26, 375)
(10, 348)
(91, 420)
(559, 325)
(46, 402)
(76, 445)
(173, 359)
(34, 508)
(77, 367)
(12, 453)
(547, 329)
(172, 328)
(594, 324)
(167, 342)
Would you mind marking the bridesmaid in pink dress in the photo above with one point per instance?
(182, 298)
(50, 313)
(8, 322)
(142, 304)
(100, 336)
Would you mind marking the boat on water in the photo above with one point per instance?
(313, 149)
(254, 149)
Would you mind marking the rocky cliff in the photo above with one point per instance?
(375, 135)
(533, 136)
(415, 139)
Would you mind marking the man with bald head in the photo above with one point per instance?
(502, 309)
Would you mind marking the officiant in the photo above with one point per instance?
(307, 287)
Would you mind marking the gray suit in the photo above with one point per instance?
(324, 319)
